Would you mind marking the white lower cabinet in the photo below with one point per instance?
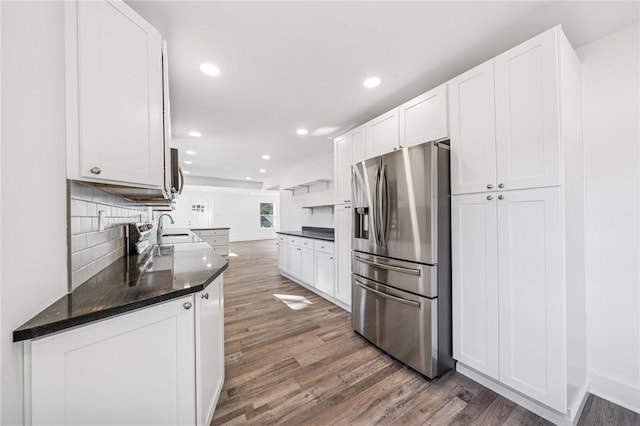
(209, 350)
(509, 291)
(161, 365)
(308, 266)
(294, 263)
(342, 215)
(283, 256)
(324, 273)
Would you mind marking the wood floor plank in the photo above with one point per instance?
(308, 367)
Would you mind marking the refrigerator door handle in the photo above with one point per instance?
(374, 207)
(384, 205)
(389, 267)
(387, 296)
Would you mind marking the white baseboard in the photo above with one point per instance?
(318, 292)
(623, 394)
(541, 410)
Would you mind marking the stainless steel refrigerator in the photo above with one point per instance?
(401, 257)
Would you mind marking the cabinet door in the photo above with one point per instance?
(342, 169)
(527, 134)
(166, 121)
(424, 118)
(133, 369)
(295, 261)
(283, 255)
(117, 120)
(383, 134)
(530, 273)
(325, 273)
(473, 132)
(358, 145)
(209, 350)
(307, 265)
(474, 264)
(343, 254)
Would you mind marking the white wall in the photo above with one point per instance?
(293, 214)
(33, 200)
(238, 209)
(612, 168)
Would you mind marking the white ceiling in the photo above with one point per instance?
(286, 65)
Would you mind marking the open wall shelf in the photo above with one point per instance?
(307, 185)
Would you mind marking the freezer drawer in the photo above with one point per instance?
(402, 324)
(407, 276)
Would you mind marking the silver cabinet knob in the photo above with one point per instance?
(187, 305)
(500, 197)
(489, 197)
(299, 249)
(489, 186)
(331, 258)
(394, 148)
(96, 170)
(400, 146)
(205, 296)
(501, 185)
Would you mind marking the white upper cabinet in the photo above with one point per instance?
(383, 134)
(358, 145)
(505, 120)
(473, 132)
(114, 95)
(342, 168)
(424, 118)
(348, 149)
(527, 114)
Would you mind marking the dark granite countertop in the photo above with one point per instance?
(167, 271)
(325, 234)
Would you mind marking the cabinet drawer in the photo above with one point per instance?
(300, 242)
(217, 241)
(323, 246)
(213, 232)
(282, 239)
(221, 250)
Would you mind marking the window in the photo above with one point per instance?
(267, 216)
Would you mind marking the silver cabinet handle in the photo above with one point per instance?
(187, 305)
(389, 267)
(489, 186)
(96, 170)
(501, 185)
(388, 296)
(500, 197)
(489, 197)
(299, 249)
(205, 296)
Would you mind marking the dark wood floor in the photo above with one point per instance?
(307, 367)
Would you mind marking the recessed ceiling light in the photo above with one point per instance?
(262, 171)
(186, 172)
(210, 69)
(190, 152)
(266, 157)
(302, 132)
(248, 178)
(371, 82)
(188, 162)
(195, 134)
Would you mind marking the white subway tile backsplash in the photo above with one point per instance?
(92, 251)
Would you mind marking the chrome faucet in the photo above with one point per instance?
(160, 227)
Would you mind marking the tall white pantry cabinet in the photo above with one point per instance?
(518, 225)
